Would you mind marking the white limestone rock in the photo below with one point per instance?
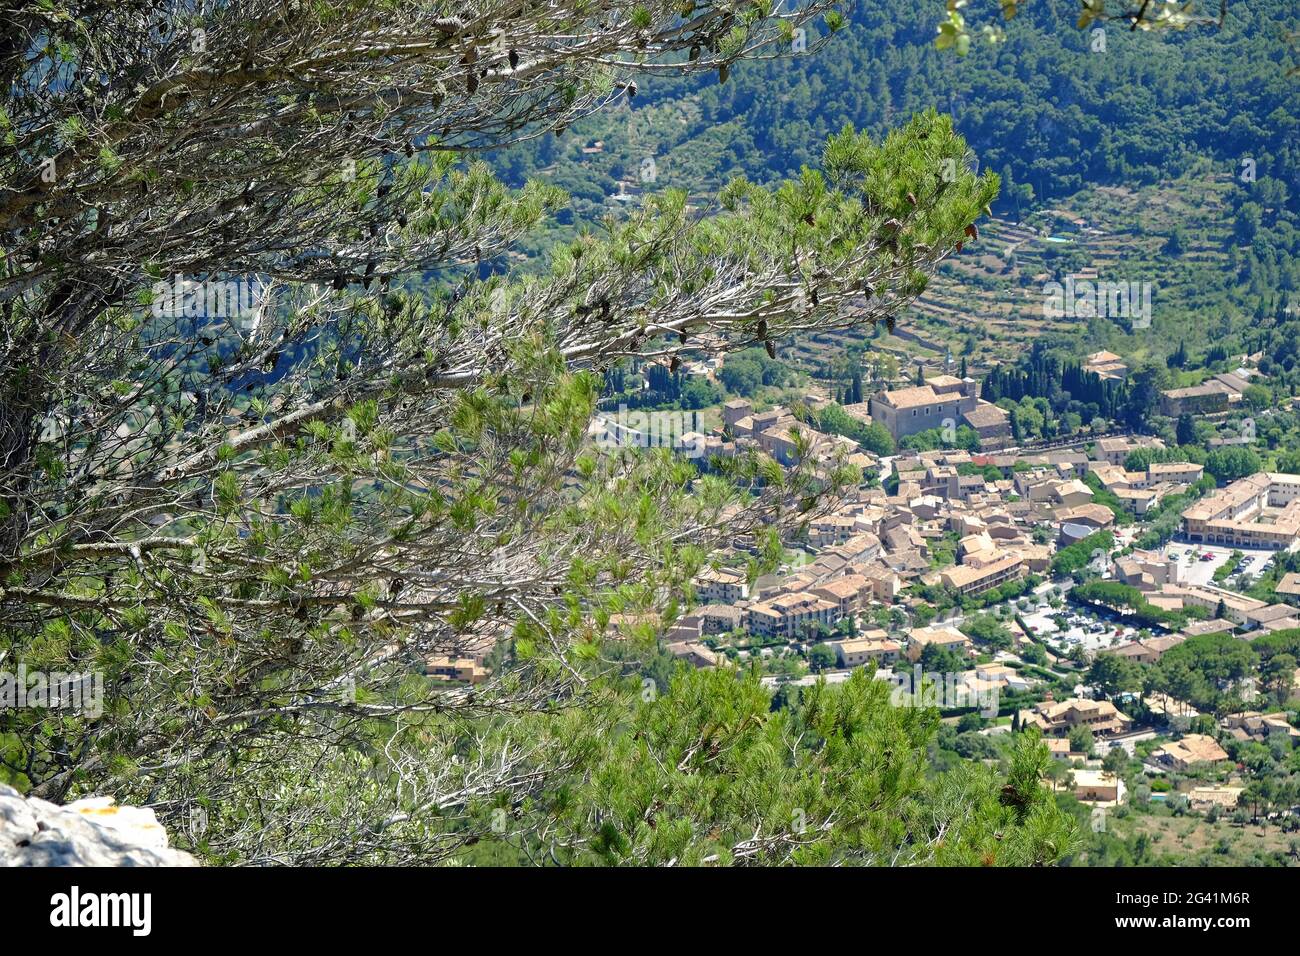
(90, 832)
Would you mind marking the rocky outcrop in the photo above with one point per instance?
(90, 832)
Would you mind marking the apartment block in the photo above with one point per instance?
(846, 593)
(721, 586)
(1194, 750)
(790, 614)
(1259, 511)
(983, 572)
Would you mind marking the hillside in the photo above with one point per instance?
(1041, 106)
(1145, 141)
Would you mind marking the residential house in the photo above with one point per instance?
(1253, 725)
(846, 593)
(720, 618)
(1148, 570)
(1059, 748)
(1099, 787)
(857, 651)
(1193, 750)
(1288, 587)
(919, 638)
(1218, 797)
(1178, 714)
(1057, 719)
(693, 652)
(1107, 365)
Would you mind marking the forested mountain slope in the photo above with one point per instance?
(1042, 104)
(1179, 150)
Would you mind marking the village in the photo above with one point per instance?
(1012, 587)
(996, 578)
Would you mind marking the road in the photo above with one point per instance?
(1129, 741)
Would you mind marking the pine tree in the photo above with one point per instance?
(678, 762)
(263, 530)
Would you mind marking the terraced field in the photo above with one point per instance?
(987, 302)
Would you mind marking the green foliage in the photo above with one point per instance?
(709, 774)
(396, 458)
(1075, 557)
(1081, 739)
(1050, 144)
(1111, 674)
(963, 437)
(1229, 567)
(874, 438)
(277, 537)
(1205, 670)
(1114, 595)
(1233, 462)
(1163, 521)
(988, 630)
(821, 657)
(1140, 459)
(746, 372)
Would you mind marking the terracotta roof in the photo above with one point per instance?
(1195, 748)
(1290, 584)
(913, 397)
(985, 415)
(1211, 387)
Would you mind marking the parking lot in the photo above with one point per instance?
(1197, 570)
(1092, 631)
